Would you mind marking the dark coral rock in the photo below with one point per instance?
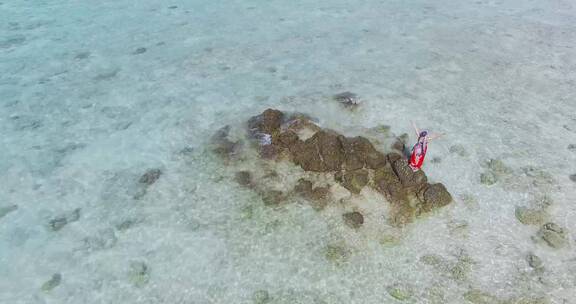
(268, 151)
(287, 139)
(388, 183)
(435, 196)
(243, 178)
(320, 193)
(354, 151)
(359, 152)
(408, 177)
(354, 181)
(375, 160)
(392, 157)
(320, 153)
(268, 122)
(353, 219)
(150, 177)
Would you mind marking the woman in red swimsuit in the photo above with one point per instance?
(420, 148)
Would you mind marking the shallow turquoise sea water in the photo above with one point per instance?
(95, 93)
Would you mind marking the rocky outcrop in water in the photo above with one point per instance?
(353, 162)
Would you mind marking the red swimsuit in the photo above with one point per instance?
(418, 153)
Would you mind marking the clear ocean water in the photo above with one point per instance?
(94, 94)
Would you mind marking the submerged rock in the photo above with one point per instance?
(353, 219)
(354, 181)
(572, 177)
(553, 235)
(139, 273)
(150, 176)
(459, 150)
(223, 146)
(62, 220)
(336, 253)
(105, 239)
(529, 216)
(318, 195)
(244, 178)
(261, 297)
(347, 99)
(534, 261)
(488, 178)
(273, 198)
(498, 167)
(54, 281)
(400, 292)
(8, 209)
(479, 297)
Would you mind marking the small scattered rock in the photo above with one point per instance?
(54, 281)
(150, 177)
(572, 148)
(400, 292)
(261, 297)
(458, 150)
(125, 225)
(534, 261)
(60, 221)
(244, 178)
(528, 216)
(247, 212)
(553, 235)
(140, 50)
(105, 239)
(57, 223)
(498, 167)
(353, 219)
(336, 253)
(488, 178)
(348, 99)
(479, 297)
(273, 198)
(139, 274)
(8, 209)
